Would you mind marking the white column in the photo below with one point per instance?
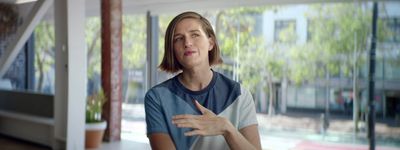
(152, 51)
(71, 75)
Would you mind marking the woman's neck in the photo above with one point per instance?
(196, 79)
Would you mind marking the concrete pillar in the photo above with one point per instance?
(71, 74)
(111, 66)
(152, 51)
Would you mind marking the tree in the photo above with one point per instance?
(93, 45)
(339, 37)
(134, 41)
(263, 65)
(44, 46)
(134, 48)
(241, 46)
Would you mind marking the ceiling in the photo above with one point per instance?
(173, 6)
(156, 7)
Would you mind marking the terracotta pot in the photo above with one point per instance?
(94, 134)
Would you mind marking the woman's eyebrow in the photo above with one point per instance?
(191, 31)
(177, 34)
(196, 30)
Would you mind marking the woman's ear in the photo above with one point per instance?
(212, 43)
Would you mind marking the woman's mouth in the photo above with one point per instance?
(188, 53)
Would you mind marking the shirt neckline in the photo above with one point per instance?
(188, 91)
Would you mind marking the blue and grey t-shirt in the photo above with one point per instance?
(223, 96)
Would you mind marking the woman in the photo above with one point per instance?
(198, 108)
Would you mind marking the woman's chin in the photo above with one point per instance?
(190, 65)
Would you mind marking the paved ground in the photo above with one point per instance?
(337, 123)
(305, 129)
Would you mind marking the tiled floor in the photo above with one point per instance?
(9, 143)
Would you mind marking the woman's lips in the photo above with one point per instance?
(188, 53)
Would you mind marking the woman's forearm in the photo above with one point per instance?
(236, 140)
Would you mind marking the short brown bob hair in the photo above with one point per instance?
(170, 63)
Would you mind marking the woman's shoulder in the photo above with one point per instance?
(231, 84)
(161, 86)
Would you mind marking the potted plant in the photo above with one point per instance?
(95, 126)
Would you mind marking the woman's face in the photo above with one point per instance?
(191, 44)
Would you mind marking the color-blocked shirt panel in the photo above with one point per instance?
(241, 114)
(159, 117)
(223, 96)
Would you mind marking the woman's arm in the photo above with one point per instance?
(247, 137)
(210, 124)
(161, 141)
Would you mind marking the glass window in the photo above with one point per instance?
(44, 57)
(392, 69)
(285, 31)
(250, 60)
(134, 58)
(20, 74)
(393, 25)
(310, 27)
(321, 97)
(93, 45)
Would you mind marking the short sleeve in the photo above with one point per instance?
(155, 120)
(248, 111)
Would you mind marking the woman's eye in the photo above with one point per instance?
(178, 39)
(195, 35)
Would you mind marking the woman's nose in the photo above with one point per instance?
(188, 42)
